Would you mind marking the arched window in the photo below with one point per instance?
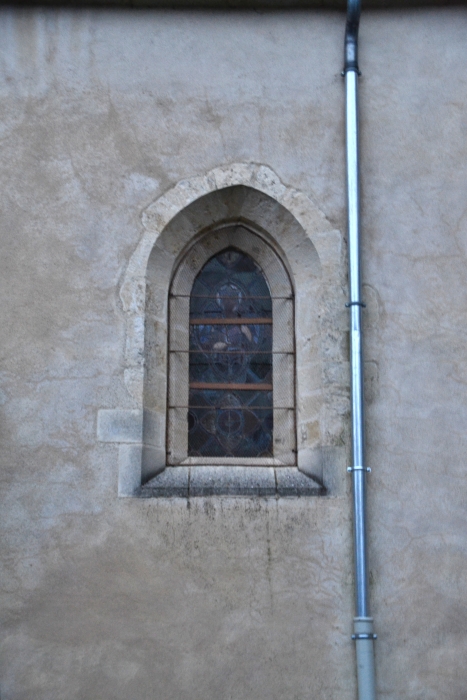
(230, 412)
(231, 354)
(246, 208)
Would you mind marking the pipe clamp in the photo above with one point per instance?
(359, 468)
(364, 635)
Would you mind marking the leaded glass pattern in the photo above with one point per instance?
(230, 404)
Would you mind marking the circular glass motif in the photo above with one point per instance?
(229, 422)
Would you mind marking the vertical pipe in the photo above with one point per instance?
(356, 357)
(363, 623)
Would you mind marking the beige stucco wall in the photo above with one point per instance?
(102, 112)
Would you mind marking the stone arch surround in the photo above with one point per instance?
(244, 237)
(313, 252)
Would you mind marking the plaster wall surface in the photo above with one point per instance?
(101, 112)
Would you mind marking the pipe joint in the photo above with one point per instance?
(349, 68)
(355, 303)
(364, 638)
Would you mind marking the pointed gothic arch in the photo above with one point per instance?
(193, 217)
(260, 334)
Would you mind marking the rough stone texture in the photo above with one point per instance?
(188, 482)
(291, 482)
(171, 482)
(101, 113)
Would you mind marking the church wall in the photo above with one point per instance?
(101, 113)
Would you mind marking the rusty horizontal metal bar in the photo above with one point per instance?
(234, 408)
(215, 296)
(230, 387)
(230, 321)
(231, 352)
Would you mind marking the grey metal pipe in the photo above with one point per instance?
(363, 623)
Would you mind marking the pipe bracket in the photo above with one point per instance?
(355, 303)
(354, 68)
(364, 635)
(359, 468)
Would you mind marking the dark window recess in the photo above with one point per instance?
(230, 411)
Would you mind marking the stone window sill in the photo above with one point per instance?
(189, 482)
(138, 462)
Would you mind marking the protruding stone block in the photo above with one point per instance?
(120, 425)
(172, 482)
(292, 482)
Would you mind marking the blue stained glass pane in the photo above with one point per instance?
(230, 412)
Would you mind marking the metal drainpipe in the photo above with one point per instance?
(363, 623)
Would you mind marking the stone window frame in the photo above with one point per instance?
(315, 255)
(245, 238)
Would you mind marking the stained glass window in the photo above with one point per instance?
(230, 411)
